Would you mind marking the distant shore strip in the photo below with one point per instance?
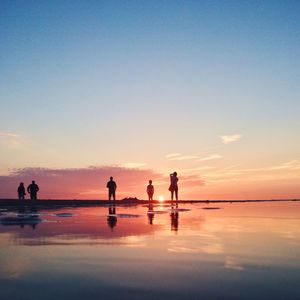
(127, 201)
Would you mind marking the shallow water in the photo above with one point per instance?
(240, 251)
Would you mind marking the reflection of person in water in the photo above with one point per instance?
(150, 190)
(150, 213)
(21, 191)
(22, 218)
(112, 216)
(174, 217)
(173, 186)
(32, 189)
(112, 186)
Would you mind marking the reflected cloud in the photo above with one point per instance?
(232, 263)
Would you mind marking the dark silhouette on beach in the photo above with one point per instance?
(21, 191)
(174, 217)
(32, 189)
(150, 190)
(173, 185)
(112, 217)
(112, 186)
(150, 213)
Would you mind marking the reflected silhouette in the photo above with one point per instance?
(21, 191)
(32, 189)
(174, 216)
(150, 213)
(112, 217)
(22, 218)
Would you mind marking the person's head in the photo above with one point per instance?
(175, 174)
(150, 181)
(111, 178)
(33, 182)
(21, 183)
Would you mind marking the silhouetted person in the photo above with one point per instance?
(174, 218)
(173, 186)
(32, 189)
(112, 186)
(21, 191)
(150, 213)
(150, 190)
(112, 216)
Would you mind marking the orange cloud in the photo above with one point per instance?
(85, 183)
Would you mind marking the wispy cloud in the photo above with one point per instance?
(133, 165)
(8, 134)
(179, 156)
(11, 139)
(172, 155)
(291, 165)
(210, 157)
(227, 139)
(184, 157)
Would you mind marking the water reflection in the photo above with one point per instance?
(132, 252)
(150, 213)
(174, 217)
(25, 217)
(112, 218)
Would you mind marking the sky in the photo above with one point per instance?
(140, 89)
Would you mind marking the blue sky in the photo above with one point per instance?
(117, 82)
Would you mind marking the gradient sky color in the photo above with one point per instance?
(207, 88)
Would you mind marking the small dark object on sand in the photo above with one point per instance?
(211, 207)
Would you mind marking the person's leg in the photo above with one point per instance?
(109, 195)
(176, 194)
(172, 195)
(114, 195)
(149, 197)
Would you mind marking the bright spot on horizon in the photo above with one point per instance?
(161, 198)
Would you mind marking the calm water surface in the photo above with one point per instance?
(239, 251)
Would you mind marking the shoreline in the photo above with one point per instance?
(82, 203)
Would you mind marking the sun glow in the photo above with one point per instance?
(161, 198)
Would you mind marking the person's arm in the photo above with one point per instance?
(28, 190)
(37, 188)
(107, 185)
(115, 186)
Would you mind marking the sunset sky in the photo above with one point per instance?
(139, 89)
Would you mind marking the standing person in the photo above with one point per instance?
(32, 189)
(112, 186)
(150, 190)
(173, 186)
(21, 191)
